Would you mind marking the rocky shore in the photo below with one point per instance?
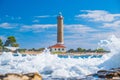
(112, 74)
(15, 76)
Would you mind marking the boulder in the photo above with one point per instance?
(15, 76)
(34, 76)
(112, 74)
(102, 73)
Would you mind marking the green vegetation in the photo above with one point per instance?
(57, 52)
(11, 41)
(22, 50)
(1, 44)
(33, 49)
(99, 50)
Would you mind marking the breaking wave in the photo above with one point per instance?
(49, 65)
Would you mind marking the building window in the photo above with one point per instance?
(63, 49)
(59, 49)
(55, 49)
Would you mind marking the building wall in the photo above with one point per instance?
(58, 50)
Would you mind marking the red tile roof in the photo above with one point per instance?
(58, 46)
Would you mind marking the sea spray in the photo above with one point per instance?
(111, 60)
(48, 65)
(52, 66)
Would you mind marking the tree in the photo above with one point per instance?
(89, 50)
(71, 50)
(22, 50)
(1, 44)
(7, 43)
(33, 49)
(100, 50)
(81, 50)
(41, 49)
(15, 45)
(11, 41)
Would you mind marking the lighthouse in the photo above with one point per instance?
(60, 36)
(59, 46)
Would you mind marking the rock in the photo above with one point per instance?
(118, 72)
(25, 78)
(112, 74)
(34, 76)
(14, 76)
(109, 76)
(116, 78)
(1, 76)
(102, 73)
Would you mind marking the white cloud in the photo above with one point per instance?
(13, 17)
(115, 24)
(78, 28)
(98, 15)
(109, 23)
(70, 43)
(76, 35)
(45, 16)
(88, 40)
(73, 28)
(7, 25)
(35, 21)
(36, 27)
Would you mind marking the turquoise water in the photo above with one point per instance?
(71, 56)
(79, 56)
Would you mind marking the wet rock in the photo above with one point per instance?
(34, 76)
(102, 73)
(112, 74)
(14, 76)
(109, 76)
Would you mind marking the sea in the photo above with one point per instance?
(55, 67)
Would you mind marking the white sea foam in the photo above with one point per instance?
(51, 65)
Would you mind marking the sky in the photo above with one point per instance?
(33, 22)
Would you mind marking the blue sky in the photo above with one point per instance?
(33, 22)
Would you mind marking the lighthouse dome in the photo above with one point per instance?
(60, 15)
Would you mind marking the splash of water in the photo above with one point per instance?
(12, 48)
(49, 65)
(111, 60)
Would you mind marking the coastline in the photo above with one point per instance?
(64, 54)
(111, 74)
(82, 53)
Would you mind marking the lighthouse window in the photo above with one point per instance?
(63, 49)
